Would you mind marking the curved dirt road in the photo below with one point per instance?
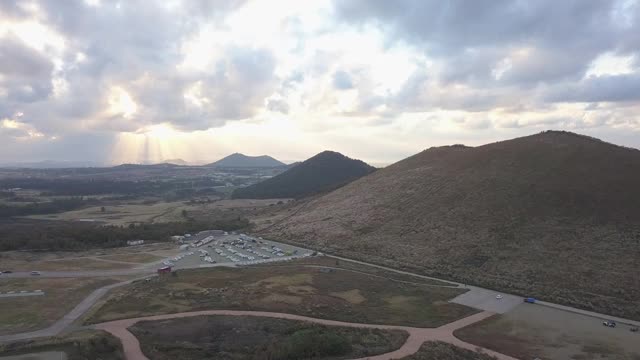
(417, 336)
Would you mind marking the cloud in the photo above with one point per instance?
(374, 68)
(605, 88)
(25, 74)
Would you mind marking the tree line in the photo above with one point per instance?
(71, 236)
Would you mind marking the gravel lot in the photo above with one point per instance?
(532, 330)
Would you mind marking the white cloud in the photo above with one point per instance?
(310, 74)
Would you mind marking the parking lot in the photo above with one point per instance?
(488, 300)
(231, 249)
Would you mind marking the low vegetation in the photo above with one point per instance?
(437, 350)
(554, 215)
(337, 295)
(82, 345)
(245, 337)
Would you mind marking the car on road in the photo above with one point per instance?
(609, 323)
(498, 296)
(35, 273)
(7, 272)
(634, 329)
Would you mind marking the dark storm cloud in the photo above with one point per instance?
(510, 45)
(452, 26)
(615, 88)
(24, 72)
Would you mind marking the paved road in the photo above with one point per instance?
(417, 336)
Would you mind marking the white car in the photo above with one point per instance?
(498, 296)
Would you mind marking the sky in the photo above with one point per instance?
(145, 81)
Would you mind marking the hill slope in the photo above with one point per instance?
(325, 171)
(554, 215)
(243, 161)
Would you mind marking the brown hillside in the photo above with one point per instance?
(554, 215)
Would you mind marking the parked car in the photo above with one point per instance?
(498, 296)
(634, 329)
(35, 273)
(7, 272)
(609, 323)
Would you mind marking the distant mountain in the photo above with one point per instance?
(52, 164)
(243, 161)
(554, 215)
(175, 162)
(323, 172)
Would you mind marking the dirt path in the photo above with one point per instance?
(417, 336)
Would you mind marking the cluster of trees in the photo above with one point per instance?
(311, 343)
(58, 235)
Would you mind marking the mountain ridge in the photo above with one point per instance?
(240, 160)
(322, 172)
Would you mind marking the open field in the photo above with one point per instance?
(243, 337)
(339, 295)
(20, 314)
(103, 259)
(159, 212)
(81, 345)
(531, 331)
(122, 214)
(139, 258)
(437, 350)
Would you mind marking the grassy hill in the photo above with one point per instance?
(325, 171)
(554, 215)
(243, 161)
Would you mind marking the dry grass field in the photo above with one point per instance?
(160, 212)
(122, 214)
(103, 259)
(20, 314)
(339, 295)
